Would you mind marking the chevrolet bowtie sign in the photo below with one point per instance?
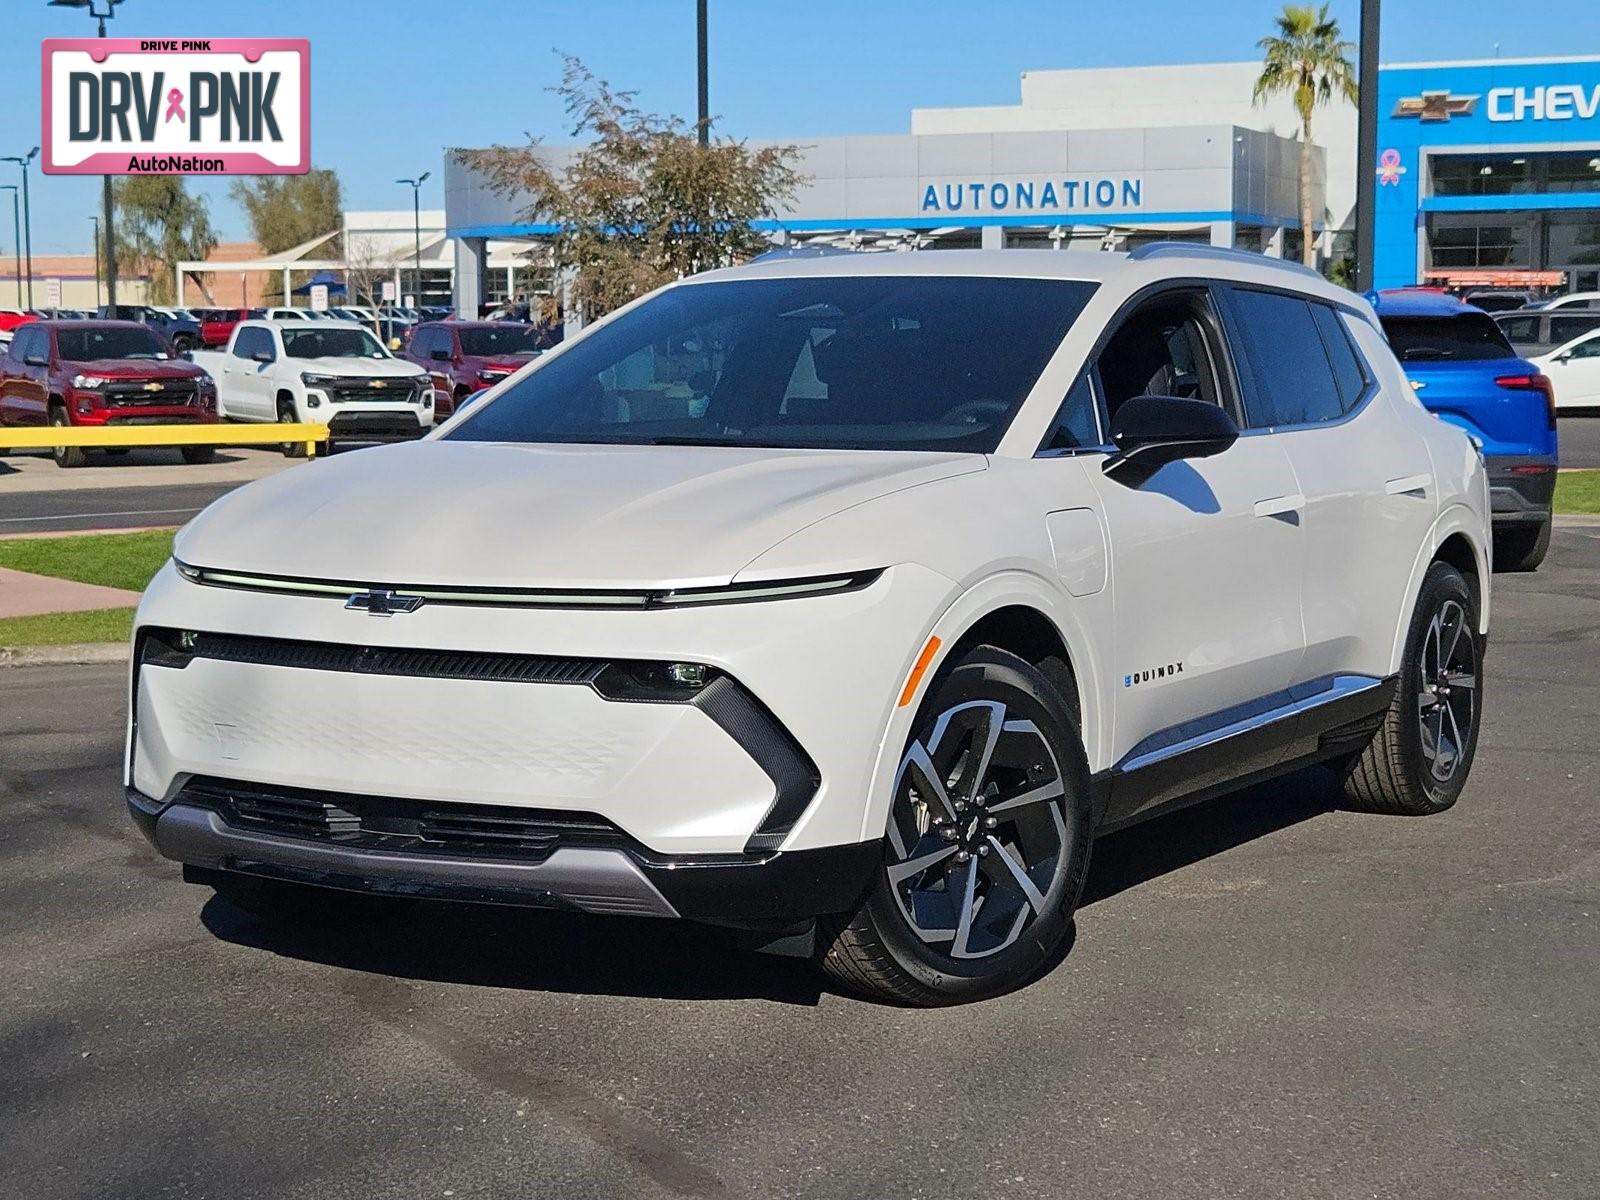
(1435, 106)
(212, 106)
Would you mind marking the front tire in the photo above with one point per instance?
(1417, 762)
(196, 455)
(66, 456)
(987, 845)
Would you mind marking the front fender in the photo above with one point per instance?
(1004, 589)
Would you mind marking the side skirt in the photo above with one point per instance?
(1320, 719)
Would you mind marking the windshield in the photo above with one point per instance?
(861, 363)
(326, 341)
(501, 339)
(88, 345)
(1469, 336)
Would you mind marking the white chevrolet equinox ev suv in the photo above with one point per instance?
(840, 600)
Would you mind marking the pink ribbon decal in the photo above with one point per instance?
(175, 105)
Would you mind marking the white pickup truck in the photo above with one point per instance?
(329, 372)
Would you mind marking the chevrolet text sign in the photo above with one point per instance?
(213, 106)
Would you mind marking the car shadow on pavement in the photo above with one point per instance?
(1156, 847)
(533, 949)
(525, 948)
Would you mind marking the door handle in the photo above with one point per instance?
(1280, 506)
(1411, 485)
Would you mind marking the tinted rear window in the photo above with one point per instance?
(1466, 336)
(855, 362)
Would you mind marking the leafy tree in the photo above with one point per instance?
(642, 202)
(1307, 61)
(160, 225)
(286, 210)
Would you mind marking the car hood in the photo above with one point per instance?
(504, 515)
(363, 367)
(125, 368)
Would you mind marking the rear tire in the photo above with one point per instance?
(66, 456)
(987, 847)
(1417, 762)
(1522, 549)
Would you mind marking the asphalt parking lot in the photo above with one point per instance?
(1267, 997)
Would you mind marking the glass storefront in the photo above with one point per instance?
(1515, 174)
(1560, 240)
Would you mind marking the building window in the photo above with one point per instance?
(1574, 240)
(1515, 174)
(1468, 241)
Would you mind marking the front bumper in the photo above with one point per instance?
(781, 749)
(585, 870)
(1521, 489)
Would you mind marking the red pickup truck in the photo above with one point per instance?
(465, 356)
(216, 325)
(101, 373)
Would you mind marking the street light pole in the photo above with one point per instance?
(1367, 146)
(27, 212)
(16, 236)
(416, 230)
(96, 221)
(107, 216)
(704, 124)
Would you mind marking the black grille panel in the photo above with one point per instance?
(375, 660)
(348, 391)
(410, 826)
(166, 392)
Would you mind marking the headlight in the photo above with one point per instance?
(318, 381)
(89, 382)
(206, 380)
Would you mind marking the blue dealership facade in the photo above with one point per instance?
(1489, 172)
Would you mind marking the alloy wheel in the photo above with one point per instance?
(977, 836)
(1447, 690)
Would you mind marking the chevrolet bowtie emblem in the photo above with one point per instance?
(152, 386)
(1435, 106)
(383, 603)
(374, 383)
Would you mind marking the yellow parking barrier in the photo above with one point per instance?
(47, 437)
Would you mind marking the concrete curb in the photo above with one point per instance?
(84, 654)
(1577, 520)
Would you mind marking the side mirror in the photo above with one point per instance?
(440, 355)
(262, 356)
(37, 360)
(1567, 357)
(1151, 431)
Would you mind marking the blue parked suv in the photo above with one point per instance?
(1465, 371)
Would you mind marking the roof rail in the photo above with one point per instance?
(1225, 253)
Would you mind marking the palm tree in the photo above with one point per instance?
(1307, 60)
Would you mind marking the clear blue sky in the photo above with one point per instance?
(395, 81)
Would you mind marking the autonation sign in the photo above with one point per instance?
(210, 106)
(1034, 195)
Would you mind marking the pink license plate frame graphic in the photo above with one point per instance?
(229, 162)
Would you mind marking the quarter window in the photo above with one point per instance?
(1350, 374)
(1291, 381)
(1076, 426)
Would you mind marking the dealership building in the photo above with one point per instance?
(1488, 174)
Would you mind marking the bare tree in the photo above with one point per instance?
(642, 202)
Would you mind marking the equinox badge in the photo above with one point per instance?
(383, 603)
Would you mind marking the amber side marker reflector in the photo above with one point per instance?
(918, 671)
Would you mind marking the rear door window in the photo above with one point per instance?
(1350, 373)
(1520, 329)
(1288, 377)
(1461, 337)
(1564, 328)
